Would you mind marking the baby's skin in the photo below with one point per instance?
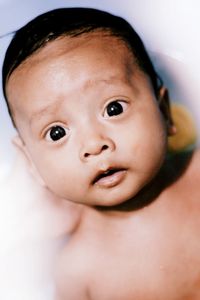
(148, 253)
(95, 133)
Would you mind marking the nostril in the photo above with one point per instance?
(105, 147)
(87, 154)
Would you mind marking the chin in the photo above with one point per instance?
(114, 202)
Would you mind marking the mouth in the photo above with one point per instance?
(109, 178)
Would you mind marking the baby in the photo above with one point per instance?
(93, 119)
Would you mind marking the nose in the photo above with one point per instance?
(94, 145)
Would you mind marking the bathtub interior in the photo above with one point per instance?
(177, 63)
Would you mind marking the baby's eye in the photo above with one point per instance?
(115, 108)
(56, 133)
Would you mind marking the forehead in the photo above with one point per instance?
(102, 55)
(75, 48)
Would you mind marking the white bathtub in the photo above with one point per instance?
(170, 31)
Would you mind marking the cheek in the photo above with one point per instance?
(143, 129)
(60, 174)
(144, 135)
(54, 168)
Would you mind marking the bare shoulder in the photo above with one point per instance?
(194, 166)
(71, 274)
(187, 183)
(190, 180)
(196, 157)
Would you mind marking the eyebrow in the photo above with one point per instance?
(46, 110)
(111, 80)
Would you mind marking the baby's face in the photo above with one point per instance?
(89, 119)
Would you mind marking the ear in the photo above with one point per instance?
(164, 105)
(22, 149)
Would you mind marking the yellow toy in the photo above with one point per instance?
(186, 132)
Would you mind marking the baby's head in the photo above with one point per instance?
(90, 110)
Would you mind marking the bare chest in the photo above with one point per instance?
(153, 256)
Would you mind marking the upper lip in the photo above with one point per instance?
(107, 172)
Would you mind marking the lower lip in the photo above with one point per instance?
(111, 180)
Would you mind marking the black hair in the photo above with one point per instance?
(73, 22)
